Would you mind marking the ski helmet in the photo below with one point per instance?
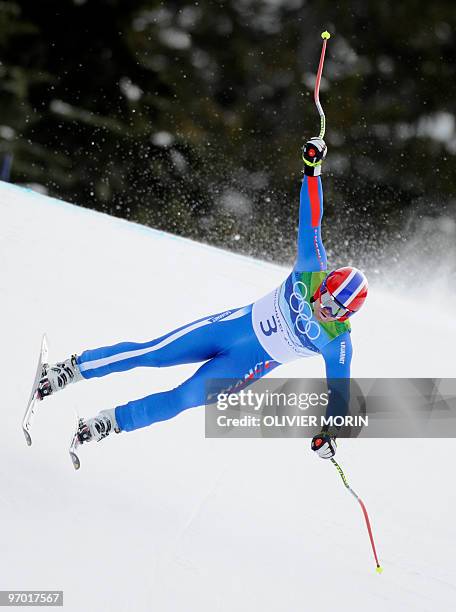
(347, 288)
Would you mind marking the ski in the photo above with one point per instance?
(34, 396)
(75, 444)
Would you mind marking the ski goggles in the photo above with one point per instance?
(328, 302)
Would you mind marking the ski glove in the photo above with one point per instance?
(324, 445)
(313, 154)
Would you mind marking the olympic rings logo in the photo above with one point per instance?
(303, 323)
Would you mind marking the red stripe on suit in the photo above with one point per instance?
(314, 197)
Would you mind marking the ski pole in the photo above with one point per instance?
(325, 36)
(363, 508)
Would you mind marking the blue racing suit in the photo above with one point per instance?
(241, 343)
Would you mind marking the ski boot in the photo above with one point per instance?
(97, 428)
(92, 430)
(56, 377)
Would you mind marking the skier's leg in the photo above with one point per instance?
(245, 359)
(191, 343)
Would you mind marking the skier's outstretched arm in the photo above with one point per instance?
(311, 252)
(337, 355)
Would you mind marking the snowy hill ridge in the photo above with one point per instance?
(162, 518)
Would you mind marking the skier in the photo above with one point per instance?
(306, 316)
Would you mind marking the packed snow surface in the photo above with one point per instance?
(162, 518)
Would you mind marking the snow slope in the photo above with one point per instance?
(163, 519)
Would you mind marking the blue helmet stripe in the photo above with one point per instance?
(344, 296)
